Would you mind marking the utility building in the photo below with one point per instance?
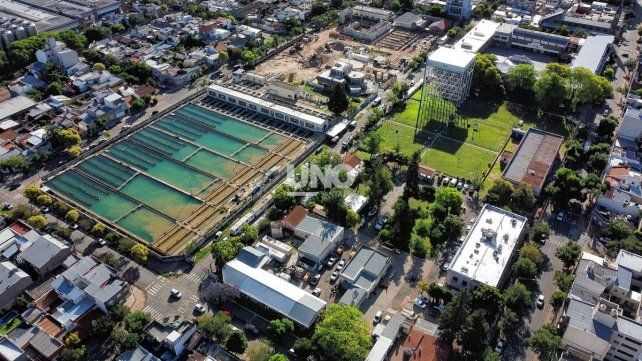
(449, 73)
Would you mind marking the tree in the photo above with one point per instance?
(557, 299)
(279, 327)
(563, 280)
(17, 162)
(545, 341)
(381, 182)
(520, 80)
(123, 339)
(342, 334)
(74, 151)
(338, 100)
(517, 297)
(259, 351)
(283, 200)
(303, 348)
(117, 28)
(72, 216)
(524, 268)
(487, 298)
(550, 91)
(372, 143)
(225, 250)
(541, 231)
(44, 200)
(509, 322)
(607, 126)
(500, 193)
(217, 326)
(218, 293)
(533, 253)
(490, 355)
(72, 340)
(594, 186)
(54, 88)
(139, 253)
(137, 321)
(567, 184)
(236, 342)
(453, 316)
(523, 200)
(569, 254)
(412, 177)
(487, 79)
(450, 198)
(32, 191)
(402, 223)
(398, 92)
(98, 229)
(574, 154)
(138, 105)
(37, 221)
(66, 138)
(278, 357)
(73, 354)
(473, 334)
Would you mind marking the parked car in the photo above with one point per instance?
(500, 346)
(446, 264)
(540, 301)
(373, 211)
(334, 276)
(421, 302)
(453, 182)
(315, 279)
(14, 186)
(340, 250)
(73, 226)
(44, 209)
(175, 293)
(316, 292)
(250, 327)
(199, 308)
(381, 222)
(605, 112)
(560, 216)
(7, 206)
(102, 242)
(332, 260)
(446, 180)
(377, 317)
(341, 264)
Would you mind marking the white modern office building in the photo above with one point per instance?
(485, 255)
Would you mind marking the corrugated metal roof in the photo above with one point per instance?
(274, 292)
(323, 234)
(592, 52)
(629, 260)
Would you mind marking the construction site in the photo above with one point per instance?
(305, 60)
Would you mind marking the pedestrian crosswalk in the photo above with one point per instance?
(155, 287)
(194, 298)
(155, 314)
(195, 277)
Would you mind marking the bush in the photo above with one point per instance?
(236, 342)
(98, 229)
(32, 192)
(125, 244)
(139, 253)
(44, 200)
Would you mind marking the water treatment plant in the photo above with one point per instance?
(171, 181)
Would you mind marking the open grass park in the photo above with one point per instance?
(461, 142)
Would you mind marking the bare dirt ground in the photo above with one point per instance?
(304, 64)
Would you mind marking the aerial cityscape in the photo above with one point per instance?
(320, 180)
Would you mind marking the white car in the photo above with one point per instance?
(381, 222)
(316, 292)
(175, 293)
(315, 279)
(199, 308)
(334, 276)
(102, 242)
(500, 346)
(540, 301)
(332, 260)
(341, 264)
(419, 302)
(377, 316)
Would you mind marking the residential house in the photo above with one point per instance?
(170, 340)
(622, 198)
(45, 254)
(13, 281)
(56, 52)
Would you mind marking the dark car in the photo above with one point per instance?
(14, 186)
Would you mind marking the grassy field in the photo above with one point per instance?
(457, 159)
(462, 142)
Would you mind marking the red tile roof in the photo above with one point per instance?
(425, 347)
(619, 171)
(295, 216)
(351, 160)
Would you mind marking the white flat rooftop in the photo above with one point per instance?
(479, 36)
(452, 59)
(489, 245)
(267, 104)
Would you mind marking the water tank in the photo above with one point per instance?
(31, 29)
(20, 33)
(7, 38)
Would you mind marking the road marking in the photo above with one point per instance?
(196, 278)
(155, 314)
(194, 298)
(155, 287)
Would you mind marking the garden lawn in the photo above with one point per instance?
(10, 326)
(406, 139)
(457, 159)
